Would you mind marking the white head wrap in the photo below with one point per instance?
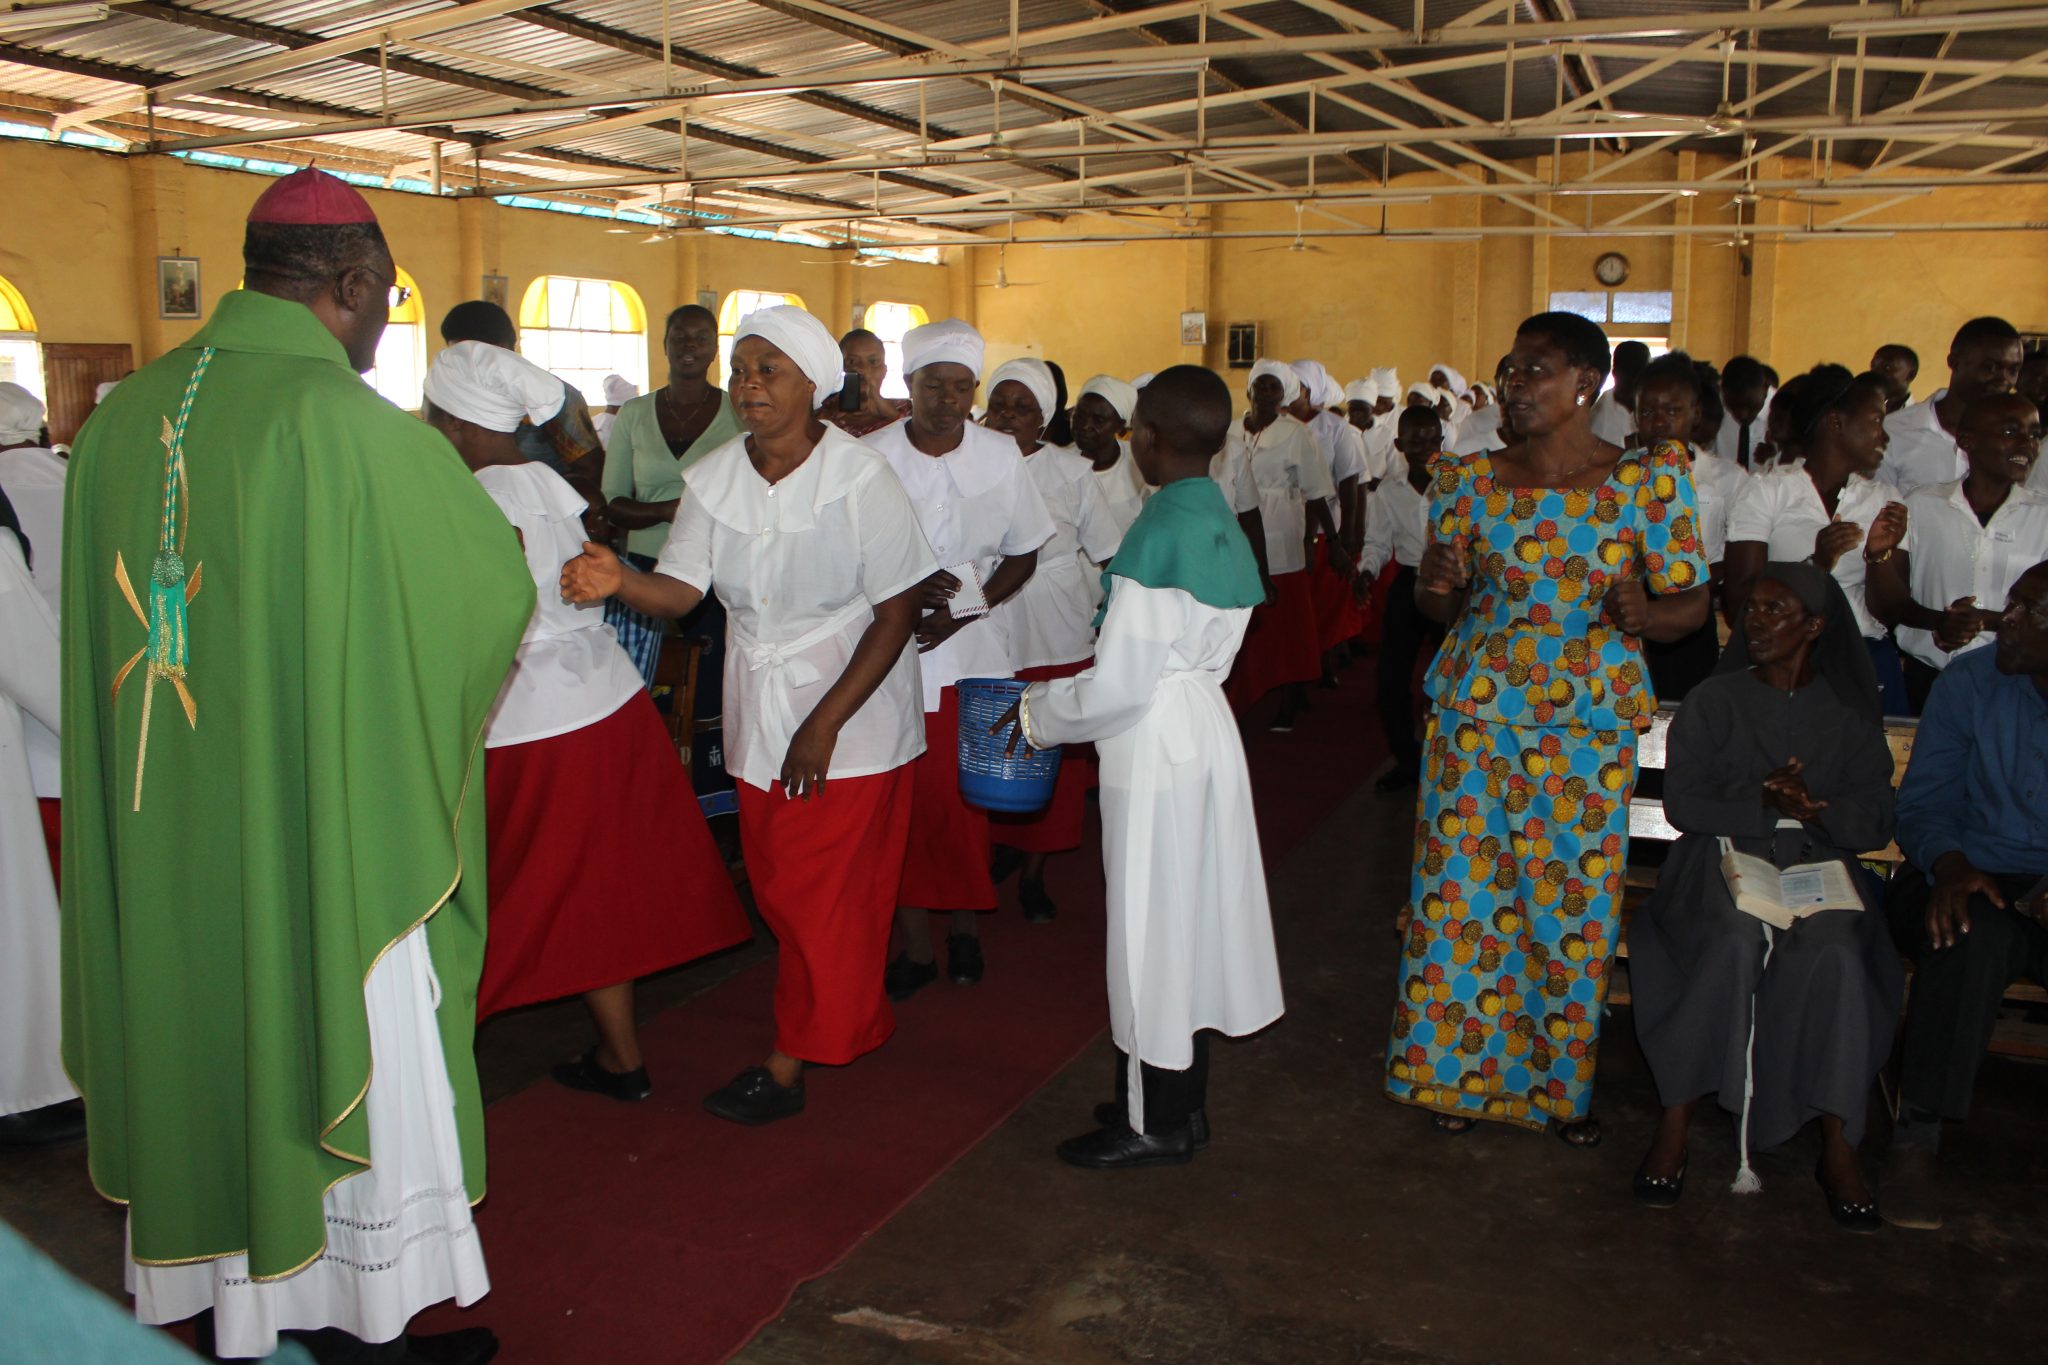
(21, 415)
(1142, 380)
(1428, 391)
(492, 387)
(939, 342)
(1454, 381)
(99, 395)
(1032, 373)
(1362, 391)
(1388, 382)
(1290, 382)
(1120, 396)
(802, 338)
(619, 390)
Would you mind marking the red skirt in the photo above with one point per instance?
(1282, 646)
(601, 867)
(49, 807)
(824, 873)
(1057, 828)
(1336, 619)
(946, 866)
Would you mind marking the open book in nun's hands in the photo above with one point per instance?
(1781, 896)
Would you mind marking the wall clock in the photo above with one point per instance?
(1611, 269)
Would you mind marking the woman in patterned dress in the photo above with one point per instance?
(1550, 561)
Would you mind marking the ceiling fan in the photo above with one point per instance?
(1002, 279)
(1297, 245)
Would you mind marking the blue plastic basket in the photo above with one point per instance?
(1014, 784)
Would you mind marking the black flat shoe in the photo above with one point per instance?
(1038, 907)
(903, 978)
(753, 1098)
(1401, 778)
(1660, 1191)
(963, 959)
(1110, 1115)
(467, 1346)
(1453, 1125)
(1857, 1217)
(1120, 1149)
(44, 1127)
(585, 1074)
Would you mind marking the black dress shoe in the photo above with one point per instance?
(1660, 1191)
(1856, 1217)
(903, 978)
(963, 958)
(753, 1098)
(466, 1346)
(1038, 907)
(1110, 1115)
(585, 1074)
(1400, 778)
(63, 1121)
(1120, 1149)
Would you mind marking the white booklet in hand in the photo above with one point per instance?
(970, 600)
(1782, 896)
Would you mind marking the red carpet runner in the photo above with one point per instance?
(656, 1232)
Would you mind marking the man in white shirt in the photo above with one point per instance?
(1614, 418)
(1397, 529)
(1746, 393)
(1972, 539)
(1898, 366)
(1983, 359)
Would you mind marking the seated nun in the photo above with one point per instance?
(1781, 755)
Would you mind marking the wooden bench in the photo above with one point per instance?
(1649, 830)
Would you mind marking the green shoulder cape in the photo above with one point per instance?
(287, 610)
(1186, 537)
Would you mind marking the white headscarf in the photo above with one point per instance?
(1142, 380)
(1455, 381)
(941, 342)
(1388, 382)
(1290, 382)
(1362, 391)
(1120, 396)
(802, 338)
(1429, 391)
(21, 415)
(619, 390)
(99, 395)
(1032, 373)
(492, 387)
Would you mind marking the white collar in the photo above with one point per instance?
(728, 486)
(979, 463)
(534, 489)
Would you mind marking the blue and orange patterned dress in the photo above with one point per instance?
(1522, 835)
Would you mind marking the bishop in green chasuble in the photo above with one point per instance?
(288, 608)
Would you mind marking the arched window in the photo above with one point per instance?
(890, 321)
(583, 330)
(733, 312)
(400, 373)
(21, 360)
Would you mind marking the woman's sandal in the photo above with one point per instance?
(1450, 1125)
(1858, 1217)
(1581, 1133)
(1661, 1191)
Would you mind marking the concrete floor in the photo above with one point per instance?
(1327, 1225)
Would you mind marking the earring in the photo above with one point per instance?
(1582, 400)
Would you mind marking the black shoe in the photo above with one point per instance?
(1661, 1191)
(1038, 907)
(585, 1074)
(44, 1127)
(1109, 1115)
(1120, 1149)
(1862, 1217)
(1400, 777)
(1005, 864)
(963, 958)
(1283, 723)
(903, 978)
(753, 1098)
(467, 1346)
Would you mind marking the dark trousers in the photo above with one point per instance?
(1170, 1096)
(1956, 990)
(1404, 634)
(1920, 680)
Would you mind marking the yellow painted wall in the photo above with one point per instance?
(85, 257)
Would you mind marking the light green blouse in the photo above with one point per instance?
(637, 463)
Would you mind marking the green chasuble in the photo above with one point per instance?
(288, 608)
(1186, 537)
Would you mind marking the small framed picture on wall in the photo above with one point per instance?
(177, 287)
(498, 290)
(1194, 329)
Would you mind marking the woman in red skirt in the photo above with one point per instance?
(1051, 620)
(580, 778)
(814, 549)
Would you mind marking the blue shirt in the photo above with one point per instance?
(1978, 782)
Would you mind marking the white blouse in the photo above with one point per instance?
(1123, 487)
(1955, 555)
(1343, 447)
(976, 506)
(1288, 468)
(800, 566)
(1396, 527)
(1051, 620)
(570, 670)
(1781, 508)
(1718, 483)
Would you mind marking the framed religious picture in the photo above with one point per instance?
(1194, 329)
(498, 290)
(177, 287)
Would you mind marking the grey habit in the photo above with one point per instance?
(1827, 1005)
